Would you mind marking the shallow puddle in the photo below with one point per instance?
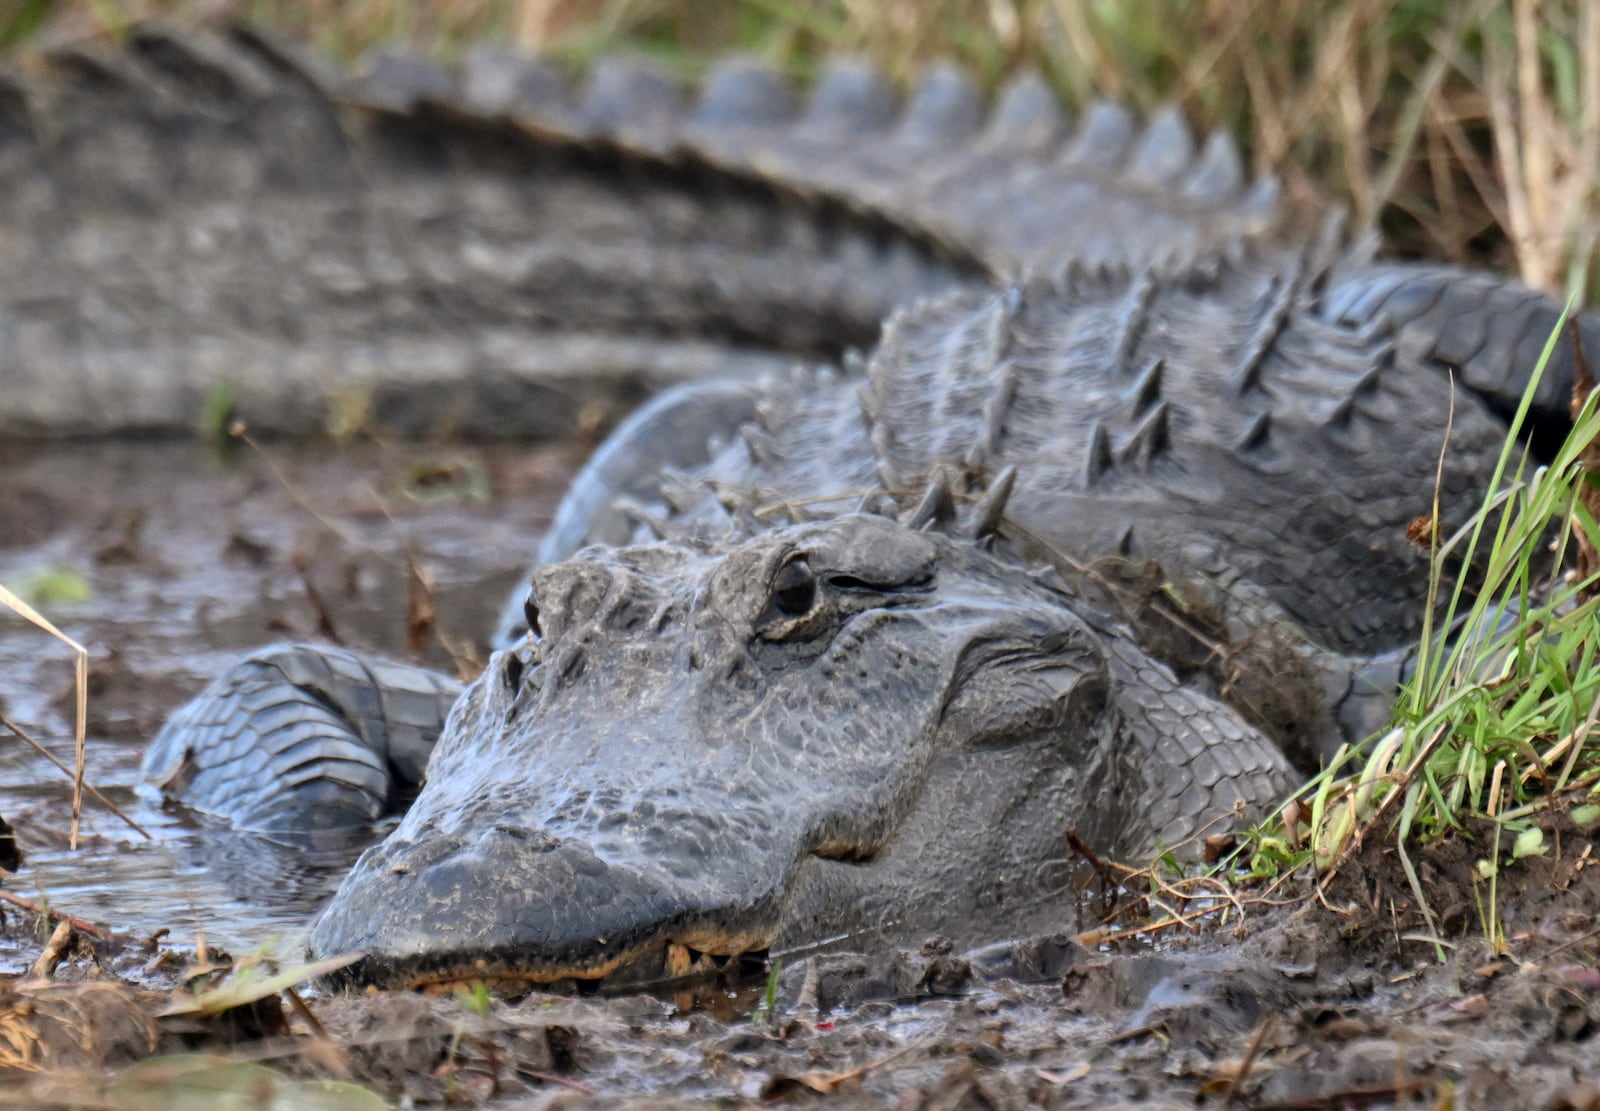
(167, 561)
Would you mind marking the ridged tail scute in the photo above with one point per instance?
(1490, 330)
(298, 738)
(1003, 179)
(195, 216)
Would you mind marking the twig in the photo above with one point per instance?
(81, 680)
(1249, 1059)
(91, 791)
(1095, 937)
(552, 1078)
(300, 1008)
(55, 951)
(77, 923)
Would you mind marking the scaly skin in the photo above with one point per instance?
(750, 715)
(706, 761)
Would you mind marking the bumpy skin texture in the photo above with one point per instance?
(704, 761)
(696, 750)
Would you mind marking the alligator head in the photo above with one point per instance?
(840, 728)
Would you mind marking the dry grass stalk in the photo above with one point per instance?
(81, 673)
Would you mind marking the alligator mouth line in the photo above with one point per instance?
(682, 967)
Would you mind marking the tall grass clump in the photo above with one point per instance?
(1497, 721)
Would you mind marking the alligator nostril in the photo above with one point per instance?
(512, 674)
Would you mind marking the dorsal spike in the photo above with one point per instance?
(1147, 391)
(1218, 173)
(944, 107)
(1026, 116)
(1256, 436)
(867, 398)
(396, 79)
(849, 98)
(1280, 302)
(1367, 382)
(1132, 316)
(1340, 415)
(1249, 376)
(878, 505)
(1100, 458)
(996, 408)
(1151, 438)
(495, 80)
(1102, 138)
(991, 507)
(741, 92)
(641, 517)
(937, 506)
(761, 445)
(1165, 149)
(632, 95)
(1125, 543)
(976, 461)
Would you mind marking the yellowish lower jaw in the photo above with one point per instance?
(690, 955)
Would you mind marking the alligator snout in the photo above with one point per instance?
(522, 904)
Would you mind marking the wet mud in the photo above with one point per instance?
(169, 560)
(1345, 996)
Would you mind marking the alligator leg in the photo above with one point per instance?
(302, 737)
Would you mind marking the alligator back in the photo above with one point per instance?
(1210, 421)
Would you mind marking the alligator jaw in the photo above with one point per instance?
(521, 905)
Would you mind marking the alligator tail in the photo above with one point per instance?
(193, 219)
(1488, 330)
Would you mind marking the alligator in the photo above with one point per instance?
(1111, 518)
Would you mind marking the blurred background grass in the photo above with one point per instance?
(1466, 130)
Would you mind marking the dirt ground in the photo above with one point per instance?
(1340, 1000)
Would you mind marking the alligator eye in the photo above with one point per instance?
(530, 614)
(794, 591)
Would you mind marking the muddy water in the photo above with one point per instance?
(181, 560)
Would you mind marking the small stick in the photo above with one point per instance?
(55, 951)
(96, 795)
(552, 1078)
(300, 1008)
(1095, 938)
(1249, 1060)
(77, 923)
